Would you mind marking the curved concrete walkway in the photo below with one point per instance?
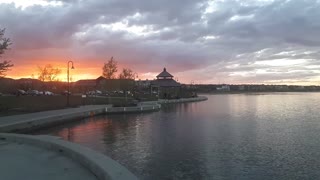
(51, 113)
(49, 157)
(23, 161)
(32, 121)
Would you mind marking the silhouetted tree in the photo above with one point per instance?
(109, 69)
(127, 74)
(48, 73)
(4, 44)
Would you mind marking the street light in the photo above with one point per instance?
(68, 93)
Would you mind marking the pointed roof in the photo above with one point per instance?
(86, 82)
(164, 73)
(100, 78)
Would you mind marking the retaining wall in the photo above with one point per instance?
(143, 108)
(182, 100)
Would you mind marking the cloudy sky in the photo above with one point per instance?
(200, 41)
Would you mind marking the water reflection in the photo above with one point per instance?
(269, 136)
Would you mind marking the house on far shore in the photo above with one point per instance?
(103, 84)
(223, 88)
(85, 85)
(143, 83)
(166, 86)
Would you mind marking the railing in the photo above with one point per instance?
(169, 101)
(133, 109)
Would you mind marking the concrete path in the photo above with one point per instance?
(49, 157)
(32, 121)
(28, 122)
(23, 161)
(25, 117)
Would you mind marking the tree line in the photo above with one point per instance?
(110, 69)
(50, 73)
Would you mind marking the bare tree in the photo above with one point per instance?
(48, 73)
(4, 67)
(4, 44)
(109, 69)
(127, 74)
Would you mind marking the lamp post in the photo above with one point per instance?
(68, 93)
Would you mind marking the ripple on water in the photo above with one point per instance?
(238, 136)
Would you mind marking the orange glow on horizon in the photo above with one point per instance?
(81, 71)
(75, 74)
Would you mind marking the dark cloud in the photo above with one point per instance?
(221, 38)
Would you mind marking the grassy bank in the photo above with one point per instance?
(12, 105)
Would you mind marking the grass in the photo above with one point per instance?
(12, 105)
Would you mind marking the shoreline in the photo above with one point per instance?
(254, 92)
(33, 121)
(182, 100)
(102, 166)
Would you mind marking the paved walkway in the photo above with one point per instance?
(23, 161)
(27, 122)
(40, 115)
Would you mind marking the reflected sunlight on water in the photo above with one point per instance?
(236, 136)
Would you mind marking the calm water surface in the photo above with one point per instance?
(236, 136)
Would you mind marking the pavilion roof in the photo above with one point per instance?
(164, 73)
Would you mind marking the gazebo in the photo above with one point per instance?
(166, 86)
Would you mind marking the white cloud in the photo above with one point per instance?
(282, 62)
(25, 3)
(239, 18)
(237, 41)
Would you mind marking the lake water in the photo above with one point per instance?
(236, 136)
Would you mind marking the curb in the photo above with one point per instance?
(100, 165)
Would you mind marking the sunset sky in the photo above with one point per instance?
(220, 41)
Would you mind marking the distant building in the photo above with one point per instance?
(143, 83)
(102, 83)
(7, 85)
(223, 88)
(29, 83)
(166, 86)
(86, 85)
(241, 88)
(281, 88)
